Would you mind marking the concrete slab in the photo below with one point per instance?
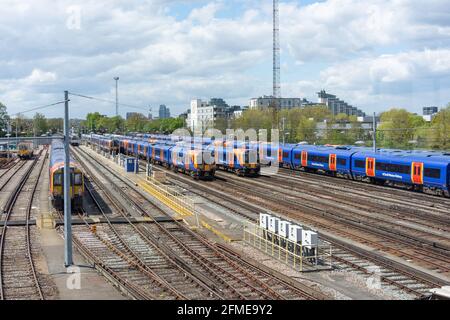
(92, 287)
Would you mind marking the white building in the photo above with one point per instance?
(203, 115)
(285, 103)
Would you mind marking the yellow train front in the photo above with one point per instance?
(56, 178)
(25, 150)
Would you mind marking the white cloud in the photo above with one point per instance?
(38, 76)
(359, 49)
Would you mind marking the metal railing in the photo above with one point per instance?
(289, 252)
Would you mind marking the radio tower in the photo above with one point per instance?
(276, 53)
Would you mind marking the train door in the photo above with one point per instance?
(332, 162)
(304, 158)
(370, 167)
(417, 172)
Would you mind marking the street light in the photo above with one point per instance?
(117, 95)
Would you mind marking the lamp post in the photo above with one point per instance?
(117, 95)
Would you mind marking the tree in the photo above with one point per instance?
(398, 127)
(40, 124)
(4, 118)
(136, 123)
(440, 132)
(92, 120)
(306, 130)
(55, 125)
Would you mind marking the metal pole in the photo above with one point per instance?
(374, 133)
(8, 130)
(17, 126)
(68, 259)
(117, 96)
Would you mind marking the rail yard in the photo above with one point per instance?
(157, 219)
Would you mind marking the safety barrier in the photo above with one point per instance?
(171, 198)
(289, 252)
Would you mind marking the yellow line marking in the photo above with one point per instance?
(215, 231)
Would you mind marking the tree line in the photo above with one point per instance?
(315, 125)
(398, 128)
(95, 122)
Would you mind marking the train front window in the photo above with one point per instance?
(57, 179)
(78, 179)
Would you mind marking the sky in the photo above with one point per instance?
(374, 54)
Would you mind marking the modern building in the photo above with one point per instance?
(429, 111)
(203, 115)
(164, 112)
(336, 106)
(133, 114)
(284, 103)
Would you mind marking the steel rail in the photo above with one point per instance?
(8, 210)
(270, 292)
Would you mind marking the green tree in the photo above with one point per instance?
(39, 124)
(136, 123)
(4, 118)
(398, 127)
(92, 120)
(440, 130)
(55, 125)
(306, 130)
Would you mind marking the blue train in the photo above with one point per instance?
(425, 171)
(181, 157)
(417, 170)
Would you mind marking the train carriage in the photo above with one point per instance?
(197, 162)
(241, 160)
(331, 160)
(25, 150)
(415, 171)
(56, 178)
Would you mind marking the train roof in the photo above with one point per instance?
(57, 156)
(405, 157)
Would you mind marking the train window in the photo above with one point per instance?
(78, 179)
(269, 151)
(57, 179)
(297, 156)
(285, 154)
(322, 159)
(389, 167)
(432, 173)
(360, 164)
(342, 162)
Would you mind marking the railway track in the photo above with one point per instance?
(230, 278)
(430, 254)
(19, 278)
(346, 256)
(401, 196)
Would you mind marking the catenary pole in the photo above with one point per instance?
(374, 133)
(68, 259)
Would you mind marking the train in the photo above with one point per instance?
(422, 171)
(427, 172)
(25, 150)
(196, 162)
(74, 140)
(56, 178)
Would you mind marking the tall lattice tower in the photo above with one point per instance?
(276, 52)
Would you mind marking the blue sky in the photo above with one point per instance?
(374, 54)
